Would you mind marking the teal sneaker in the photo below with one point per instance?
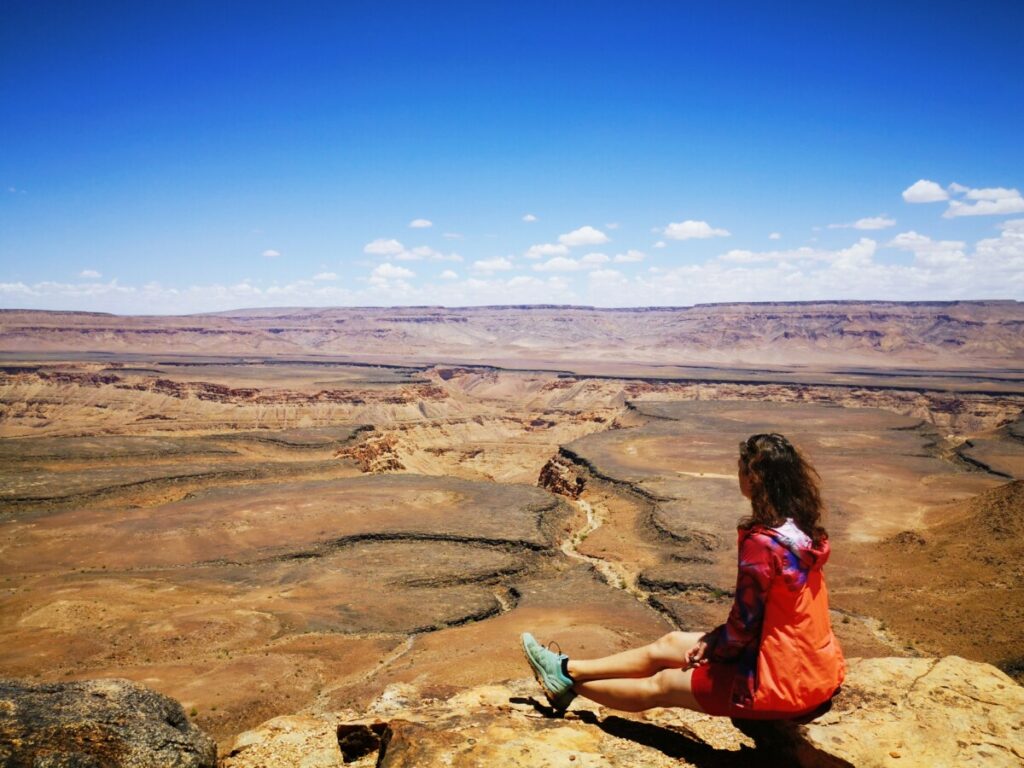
(547, 668)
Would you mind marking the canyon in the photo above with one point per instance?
(295, 512)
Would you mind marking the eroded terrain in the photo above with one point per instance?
(261, 537)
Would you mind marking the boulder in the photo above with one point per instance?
(97, 724)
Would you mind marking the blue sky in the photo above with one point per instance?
(182, 157)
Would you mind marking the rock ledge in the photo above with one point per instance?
(891, 712)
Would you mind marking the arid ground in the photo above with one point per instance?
(269, 512)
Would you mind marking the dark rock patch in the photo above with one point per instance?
(97, 724)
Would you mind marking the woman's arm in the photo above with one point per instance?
(743, 627)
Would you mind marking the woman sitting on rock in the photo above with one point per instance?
(775, 657)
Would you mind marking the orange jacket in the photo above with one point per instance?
(779, 633)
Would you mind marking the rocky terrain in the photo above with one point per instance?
(294, 524)
(891, 712)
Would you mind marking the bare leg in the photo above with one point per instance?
(667, 688)
(666, 652)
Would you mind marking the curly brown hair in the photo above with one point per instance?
(782, 484)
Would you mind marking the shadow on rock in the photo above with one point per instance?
(677, 745)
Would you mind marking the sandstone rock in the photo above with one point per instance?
(891, 712)
(910, 712)
(97, 723)
(299, 741)
(497, 725)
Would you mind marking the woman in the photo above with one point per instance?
(775, 657)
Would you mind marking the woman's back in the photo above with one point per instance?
(800, 663)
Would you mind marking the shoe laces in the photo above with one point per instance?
(558, 648)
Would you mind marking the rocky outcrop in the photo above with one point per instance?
(905, 712)
(499, 725)
(97, 723)
(376, 454)
(560, 476)
(921, 712)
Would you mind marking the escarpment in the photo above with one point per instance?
(922, 333)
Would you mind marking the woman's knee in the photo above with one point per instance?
(671, 688)
(661, 687)
(673, 646)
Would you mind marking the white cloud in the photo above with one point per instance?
(924, 191)
(421, 223)
(992, 193)
(325, 276)
(612, 225)
(452, 236)
(546, 249)
(860, 251)
(498, 263)
(985, 207)
(388, 271)
(383, 247)
(775, 236)
(631, 255)
(270, 253)
(1004, 253)
(874, 222)
(690, 229)
(986, 201)
(90, 274)
(940, 270)
(558, 264)
(595, 258)
(660, 244)
(449, 275)
(407, 255)
(394, 249)
(928, 252)
(529, 217)
(586, 235)
(426, 252)
(520, 281)
(871, 222)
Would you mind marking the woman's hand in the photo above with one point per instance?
(698, 654)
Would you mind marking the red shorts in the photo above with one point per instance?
(711, 684)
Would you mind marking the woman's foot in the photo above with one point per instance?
(550, 672)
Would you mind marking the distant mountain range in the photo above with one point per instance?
(956, 335)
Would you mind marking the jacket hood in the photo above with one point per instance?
(800, 554)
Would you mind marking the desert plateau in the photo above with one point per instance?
(296, 512)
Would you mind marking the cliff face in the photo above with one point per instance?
(905, 712)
